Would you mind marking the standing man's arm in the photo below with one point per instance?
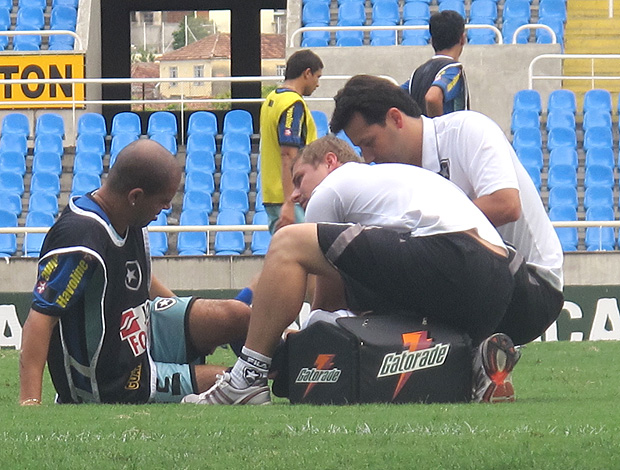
(287, 211)
(501, 207)
(35, 346)
(434, 101)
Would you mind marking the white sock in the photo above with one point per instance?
(251, 367)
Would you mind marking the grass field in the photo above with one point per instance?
(566, 416)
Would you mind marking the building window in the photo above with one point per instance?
(199, 72)
(174, 73)
(280, 70)
(279, 18)
(148, 17)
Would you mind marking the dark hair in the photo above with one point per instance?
(447, 28)
(300, 61)
(372, 97)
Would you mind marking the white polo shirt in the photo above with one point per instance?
(481, 161)
(401, 197)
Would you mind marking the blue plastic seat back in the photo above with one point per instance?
(419, 11)
(598, 137)
(30, 43)
(198, 200)
(65, 3)
(203, 122)
(454, 5)
(552, 9)
(351, 14)
(544, 37)
(527, 137)
(600, 238)
(236, 161)
(39, 4)
(11, 202)
(43, 202)
(260, 239)
(349, 38)
(13, 143)
(569, 237)
(158, 241)
(527, 99)
(88, 162)
(192, 243)
(199, 141)
(5, 22)
(383, 37)
(598, 175)
(61, 42)
(560, 118)
(45, 182)
(49, 162)
(535, 176)
(315, 12)
(16, 123)
(63, 17)
(230, 243)
(126, 123)
(562, 100)
(597, 99)
(90, 143)
(34, 241)
(84, 182)
(92, 123)
(258, 202)
(517, 10)
(238, 121)
(234, 199)
(12, 162)
(30, 17)
(416, 37)
(50, 123)
(509, 28)
(386, 11)
(162, 121)
(561, 137)
(561, 175)
(531, 157)
(12, 182)
(168, 141)
(237, 142)
(315, 39)
(563, 156)
(524, 118)
(321, 121)
(483, 10)
(200, 180)
(201, 160)
(596, 119)
(600, 156)
(235, 180)
(50, 143)
(598, 196)
(8, 241)
(563, 196)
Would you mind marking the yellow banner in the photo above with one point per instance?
(40, 67)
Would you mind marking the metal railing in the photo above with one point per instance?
(47, 32)
(592, 77)
(554, 38)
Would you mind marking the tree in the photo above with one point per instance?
(197, 28)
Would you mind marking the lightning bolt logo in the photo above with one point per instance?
(322, 362)
(415, 341)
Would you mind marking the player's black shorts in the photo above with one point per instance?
(450, 278)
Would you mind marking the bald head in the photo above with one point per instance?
(144, 164)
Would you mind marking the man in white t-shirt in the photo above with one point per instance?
(420, 247)
(473, 152)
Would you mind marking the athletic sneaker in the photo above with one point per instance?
(223, 393)
(492, 369)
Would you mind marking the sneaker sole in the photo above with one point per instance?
(498, 360)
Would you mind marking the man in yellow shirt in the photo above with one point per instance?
(286, 126)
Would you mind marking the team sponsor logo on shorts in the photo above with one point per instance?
(134, 378)
(133, 275)
(164, 304)
(133, 328)
(321, 373)
(420, 354)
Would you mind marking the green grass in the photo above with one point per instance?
(566, 417)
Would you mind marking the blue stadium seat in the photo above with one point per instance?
(561, 137)
(561, 175)
(13, 162)
(16, 123)
(192, 243)
(552, 9)
(420, 11)
(321, 121)
(596, 119)
(483, 12)
(39, 4)
(386, 11)
(527, 137)
(30, 17)
(84, 183)
(383, 37)
(343, 135)
(600, 238)
(50, 123)
(45, 182)
(535, 176)
(597, 99)
(455, 5)
(260, 239)
(230, 243)
(5, 21)
(90, 143)
(598, 196)
(569, 238)
(563, 156)
(600, 156)
(162, 122)
(43, 202)
(237, 142)
(234, 199)
(119, 142)
(48, 143)
(200, 180)
(235, 180)
(200, 160)
(29, 43)
(63, 17)
(204, 142)
(509, 27)
(524, 118)
(238, 121)
(203, 122)
(61, 42)
(126, 123)
(543, 36)
(13, 143)
(236, 161)
(158, 241)
(598, 137)
(198, 200)
(12, 182)
(34, 241)
(560, 118)
(11, 202)
(315, 38)
(8, 241)
(92, 123)
(315, 12)
(480, 36)
(88, 162)
(519, 10)
(527, 99)
(563, 196)
(49, 162)
(65, 3)
(349, 38)
(258, 202)
(597, 175)
(562, 100)
(531, 157)
(351, 14)
(168, 141)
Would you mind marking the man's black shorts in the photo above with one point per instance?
(450, 278)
